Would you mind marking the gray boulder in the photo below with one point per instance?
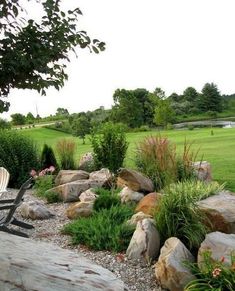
(219, 244)
(145, 242)
(35, 210)
(31, 265)
(220, 210)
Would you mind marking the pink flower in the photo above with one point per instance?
(216, 272)
(51, 169)
(42, 173)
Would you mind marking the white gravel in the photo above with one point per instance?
(134, 275)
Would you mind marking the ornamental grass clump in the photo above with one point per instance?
(66, 152)
(104, 230)
(156, 158)
(213, 274)
(178, 214)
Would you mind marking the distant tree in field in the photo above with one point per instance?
(18, 119)
(30, 117)
(133, 107)
(4, 124)
(211, 99)
(164, 113)
(62, 111)
(33, 54)
(80, 127)
(190, 94)
(159, 93)
(174, 97)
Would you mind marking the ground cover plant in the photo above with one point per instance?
(104, 230)
(178, 214)
(217, 149)
(213, 274)
(106, 199)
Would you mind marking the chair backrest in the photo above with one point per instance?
(18, 200)
(4, 179)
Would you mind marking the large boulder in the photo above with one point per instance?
(128, 195)
(67, 176)
(35, 210)
(170, 269)
(103, 177)
(203, 171)
(70, 192)
(79, 209)
(135, 181)
(220, 210)
(145, 242)
(29, 265)
(149, 203)
(219, 244)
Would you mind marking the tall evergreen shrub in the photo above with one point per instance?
(18, 154)
(48, 158)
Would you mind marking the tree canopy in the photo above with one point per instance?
(33, 54)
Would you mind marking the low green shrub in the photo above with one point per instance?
(104, 230)
(178, 214)
(109, 147)
(106, 199)
(42, 184)
(52, 197)
(213, 274)
(18, 154)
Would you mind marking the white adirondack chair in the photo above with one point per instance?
(4, 179)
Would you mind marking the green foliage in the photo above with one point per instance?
(109, 147)
(178, 214)
(104, 230)
(164, 113)
(52, 197)
(213, 274)
(18, 154)
(106, 199)
(42, 184)
(211, 99)
(4, 124)
(48, 158)
(34, 54)
(81, 126)
(66, 151)
(18, 119)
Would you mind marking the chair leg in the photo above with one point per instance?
(13, 231)
(21, 223)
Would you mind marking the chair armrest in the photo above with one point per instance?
(6, 207)
(7, 201)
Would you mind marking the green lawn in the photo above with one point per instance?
(218, 149)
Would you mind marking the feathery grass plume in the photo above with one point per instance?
(156, 158)
(66, 152)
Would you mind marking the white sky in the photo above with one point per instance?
(170, 44)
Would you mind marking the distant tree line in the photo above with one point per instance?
(137, 108)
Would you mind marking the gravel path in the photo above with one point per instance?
(135, 276)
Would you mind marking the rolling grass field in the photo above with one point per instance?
(218, 149)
